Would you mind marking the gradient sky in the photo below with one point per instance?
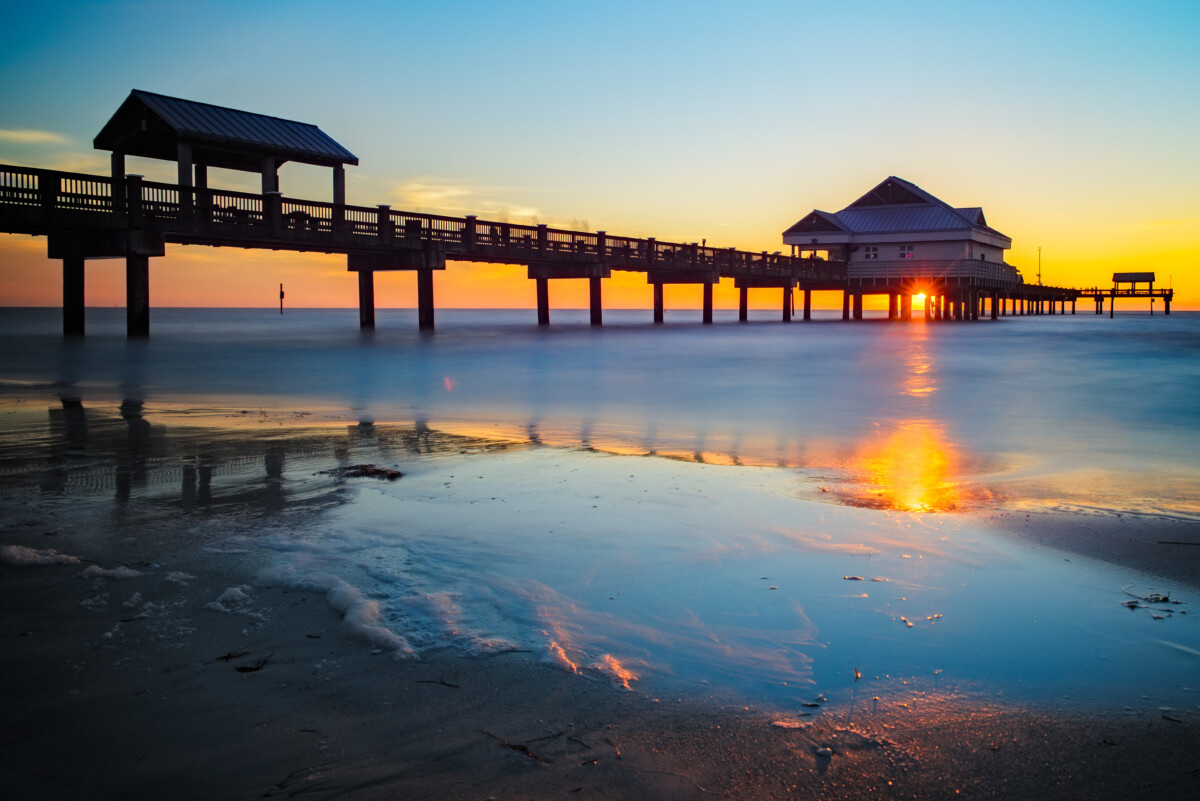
(1073, 124)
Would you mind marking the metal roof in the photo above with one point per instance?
(897, 206)
(153, 125)
(897, 219)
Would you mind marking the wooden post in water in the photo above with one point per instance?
(366, 300)
(72, 308)
(543, 300)
(707, 317)
(281, 298)
(807, 304)
(845, 304)
(594, 297)
(905, 306)
(424, 300)
(659, 305)
(892, 313)
(743, 304)
(137, 295)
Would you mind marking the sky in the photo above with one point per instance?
(1073, 124)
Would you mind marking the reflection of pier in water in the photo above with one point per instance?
(125, 455)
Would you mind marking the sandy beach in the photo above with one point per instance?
(152, 651)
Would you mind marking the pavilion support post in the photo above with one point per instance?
(846, 304)
(366, 300)
(786, 314)
(708, 305)
(1112, 301)
(425, 300)
(807, 304)
(270, 175)
(73, 297)
(974, 300)
(137, 295)
(543, 300)
(892, 311)
(858, 305)
(658, 303)
(905, 306)
(743, 304)
(203, 198)
(995, 306)
(339, 197)
(594, 298)
(184, 163)
(928, 308)
(117, 159)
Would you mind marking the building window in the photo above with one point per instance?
(983, 257)
(871, 252)
(906, 251)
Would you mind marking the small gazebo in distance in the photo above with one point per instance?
(198, 135)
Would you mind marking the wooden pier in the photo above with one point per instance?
(124, 216)
(1125, 285)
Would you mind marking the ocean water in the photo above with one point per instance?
(807, 527)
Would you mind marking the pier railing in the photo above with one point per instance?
(214, 216)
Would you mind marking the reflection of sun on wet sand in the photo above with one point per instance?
(910, 469)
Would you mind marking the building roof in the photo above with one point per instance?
(894, 206)
(153, 126)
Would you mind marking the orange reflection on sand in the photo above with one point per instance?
(611, 667)
(910, 470)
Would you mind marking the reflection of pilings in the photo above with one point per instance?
(131, 463)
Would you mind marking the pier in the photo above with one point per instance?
(1125, 285)
(123, 216)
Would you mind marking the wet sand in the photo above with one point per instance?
(137, 687)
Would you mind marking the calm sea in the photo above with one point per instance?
(1013, 399)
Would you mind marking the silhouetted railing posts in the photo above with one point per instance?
(468, 233)
(386, 229)
(133, 194)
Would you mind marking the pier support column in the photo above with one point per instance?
(787, 304)
(858, 305)
(1073, 305)
(658, 304)
(846, 304)
(72, 304)
(425, 300)
(594, 297)
(366, 300)
(808, 304)
(743, 305)
(543, 300)
(707, 316)
(905, 306)
(137, 296)
(1112, 301)
(928, 308)
(995, 305)
(1166, 305)
(892, 313)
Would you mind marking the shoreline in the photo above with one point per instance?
(316, 712)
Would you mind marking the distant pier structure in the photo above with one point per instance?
(896, 240)
(1125, 285)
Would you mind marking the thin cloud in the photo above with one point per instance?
(430, 194)
(32, 137)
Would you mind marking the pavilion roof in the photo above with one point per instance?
(153, 125)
